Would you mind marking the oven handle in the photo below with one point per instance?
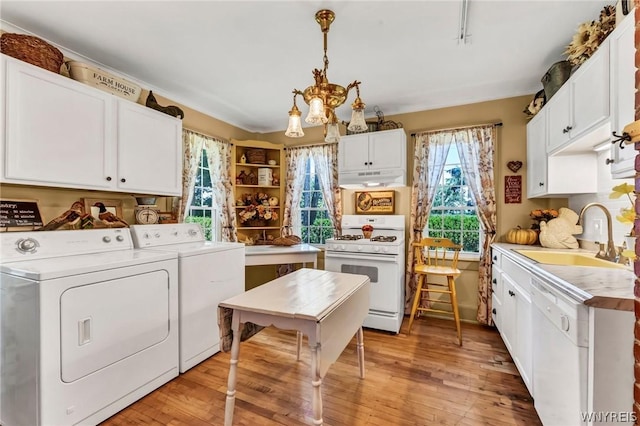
(358, 256)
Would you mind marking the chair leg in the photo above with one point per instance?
(416, 301)
(454, 305)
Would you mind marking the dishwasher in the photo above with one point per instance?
(560, 355)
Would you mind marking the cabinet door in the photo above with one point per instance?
(559, 119)
(149, 150)
(523, 350)
(353, 153)
(58, 131)
(508, 321)
(536, 155)
(622, 95)
(387, 149)
(590, 91)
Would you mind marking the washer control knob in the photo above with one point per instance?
(119, 238)
(27, 245)
(192, 232)
(106, 239)
(157, 235)
(145, 235)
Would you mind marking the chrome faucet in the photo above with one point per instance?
(610, 254)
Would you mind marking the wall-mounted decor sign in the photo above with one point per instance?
(512, 189)
(378, 202)
(19, 215)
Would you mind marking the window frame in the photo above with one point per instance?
(214, 230)
(306, 189)
(465, 192)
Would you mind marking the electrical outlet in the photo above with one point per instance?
(597, 228)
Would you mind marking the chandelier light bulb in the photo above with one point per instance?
(357, 123)
(333, 133)
(294, 130)
(316, 112)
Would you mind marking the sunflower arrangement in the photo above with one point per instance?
(627, 214)
(590, 35)
(542, 215)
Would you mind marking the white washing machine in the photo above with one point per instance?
(88, 325)
(209, 272)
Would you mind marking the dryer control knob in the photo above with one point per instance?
(157, 235)
(145, 235)
(119, 238)
(192, 232)
(106, 239)
(27, 245)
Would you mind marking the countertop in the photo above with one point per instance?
(597, 287)
(264, 249)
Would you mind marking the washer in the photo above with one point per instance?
(88, 325)
(209, 272)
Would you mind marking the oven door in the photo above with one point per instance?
(384, 271)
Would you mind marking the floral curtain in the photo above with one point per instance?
(430, 154)
(476, 149)
(192, 155)
(295, 159)
(219, 158)
(325, 158)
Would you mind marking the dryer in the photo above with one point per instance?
(209, 272)
(88, 325)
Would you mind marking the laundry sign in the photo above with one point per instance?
(19, 215)
(513, 189)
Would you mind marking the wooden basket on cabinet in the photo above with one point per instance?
(256, 156)
(32, 50)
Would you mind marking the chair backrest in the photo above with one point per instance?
(437, 252)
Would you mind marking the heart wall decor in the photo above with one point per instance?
(514, 166)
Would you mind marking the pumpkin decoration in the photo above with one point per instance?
(521, 236)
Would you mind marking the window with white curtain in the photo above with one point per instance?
(203, 209)
(314, 218)
(454, 213)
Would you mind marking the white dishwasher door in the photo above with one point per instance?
(560, 356)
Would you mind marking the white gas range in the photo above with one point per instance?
(381, 257)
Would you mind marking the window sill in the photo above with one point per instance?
(469, 257)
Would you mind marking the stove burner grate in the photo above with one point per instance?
(384, 238)
(349, 237)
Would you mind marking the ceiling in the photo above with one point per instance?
(238, 61)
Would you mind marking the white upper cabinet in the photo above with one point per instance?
(623, 89)
(579, 111)
(58, 132)
(376, 157)
(556, 175)
(149, 150)
(62, 133)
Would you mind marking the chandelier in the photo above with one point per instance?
(324, 97)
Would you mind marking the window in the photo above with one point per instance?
(454, 214)
(202, 209)
(316, 225)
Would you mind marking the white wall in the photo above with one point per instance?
(595, 223)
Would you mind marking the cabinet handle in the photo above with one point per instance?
(495, 281)
(365, 163)
(494, 311)
(108, 178)
(370, 163)
(541, 183)
(123, 180)
(567, 129)
(610, 161)
(511, 293)
(495, 257)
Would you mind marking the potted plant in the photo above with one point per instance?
(627, 214)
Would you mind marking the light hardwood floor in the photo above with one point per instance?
(421, 379)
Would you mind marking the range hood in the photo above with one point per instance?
(388, 178)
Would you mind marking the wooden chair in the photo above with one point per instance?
(436, 257)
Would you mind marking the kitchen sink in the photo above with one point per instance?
(569, 259)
